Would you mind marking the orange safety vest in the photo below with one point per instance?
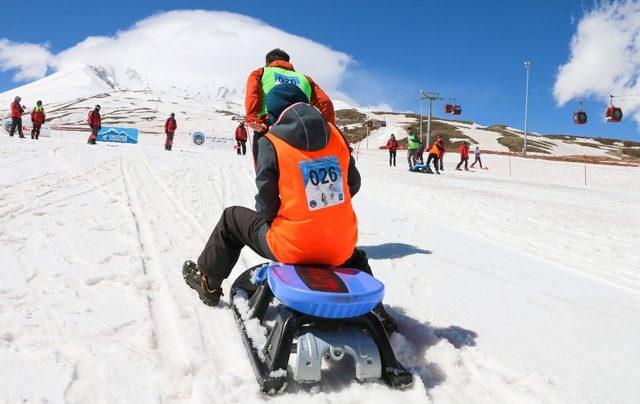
(316, 223)
(434, 149)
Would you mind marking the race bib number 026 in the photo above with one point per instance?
(322, 182)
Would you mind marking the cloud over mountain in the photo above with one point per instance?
(182, 48)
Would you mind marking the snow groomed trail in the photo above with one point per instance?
(506, 290)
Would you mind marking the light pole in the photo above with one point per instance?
(527, 66)
(423, 96)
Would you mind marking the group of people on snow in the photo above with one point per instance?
(415, 152)
(38, 118)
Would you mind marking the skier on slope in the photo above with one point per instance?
(241, 139)
(464, 156)
(37, 119)
(95, 123)
(170, 127)
(260, 82)
(293, 223)
(392, 145)
(16, 117)
(412, 148)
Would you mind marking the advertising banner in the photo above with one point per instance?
(118, 135)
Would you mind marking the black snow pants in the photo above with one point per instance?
(241, 147)
(254, 144)
(477, 160)
(35, 131)
(392, 158)
(239, 227)
(434, 157)
(16, 123)
(464, 160)
(168, 144)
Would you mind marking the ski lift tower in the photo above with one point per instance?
(426, 95)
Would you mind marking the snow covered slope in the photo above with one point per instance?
(506, 290)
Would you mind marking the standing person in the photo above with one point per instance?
(16, 117)
(440, 143)
(241, 139)
(95, 123)
(464, 156)
(37, 119)
(412, 147)
(392, 145)
(477, 156)
(435, 151)
(170, 127)
(261, 81)
(292, 223)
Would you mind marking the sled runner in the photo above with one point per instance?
(318, 313)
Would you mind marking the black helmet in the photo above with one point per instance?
(97, 106)
(172, 114)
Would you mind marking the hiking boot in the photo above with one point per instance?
(209, 294)
(388, 322)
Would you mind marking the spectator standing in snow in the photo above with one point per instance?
(441, 147)
(477, 156)
(37, 119)
(170, 127)
(412, 147)
(392, 145)
(261, 81)
(16, 117)
(464, 156)
(241, 139)
(95, 123)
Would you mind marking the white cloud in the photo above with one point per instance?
(29, 60)
(605, 57)
(184, 48)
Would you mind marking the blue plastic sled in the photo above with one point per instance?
(322, 312)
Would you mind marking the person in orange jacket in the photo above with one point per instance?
(241, 139)
(306, 178)
(94, 120)
(464, 156)
(16, 117)
(392, 145)
(37, 119)
(261, 81)
(435, 151)
(170, 126)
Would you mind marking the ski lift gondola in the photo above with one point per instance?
(613, 113)
(580, 117)
(452, 108)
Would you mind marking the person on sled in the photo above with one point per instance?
(306, 177)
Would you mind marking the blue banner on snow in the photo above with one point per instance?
(118, 135)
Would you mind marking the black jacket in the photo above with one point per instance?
(303, 127)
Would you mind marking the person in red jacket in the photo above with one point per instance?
(464, 156)
(16, 117)
(95, 123)
(241, 139)
(37, 119)
(170, 127)
(392, 145)
(278, 70)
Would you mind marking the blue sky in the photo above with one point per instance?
(464, 49)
